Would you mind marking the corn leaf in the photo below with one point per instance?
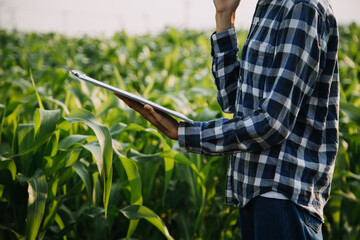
(168, 161)
(2, 120)
(38, 191)
(9, 230)
(73, 156)
(61, 104)
(23, 140)
(133, 178)
(103, 161)
(135, 212)
(180, 158)
(9, 165)
(37, 94)
(24, 137)
(135, 185)
(84, 175)
(45, 122)
(68, 141)
(351, 111)
(95, 149)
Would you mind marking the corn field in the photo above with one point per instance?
(76, 163)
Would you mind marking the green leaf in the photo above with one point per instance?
(102, 133)
(73, 156)
(9, 165)
(37, 94)
(95, 149)
(350, 174)
(38, 191)
(2, 120)
(50, 217)
(168, 162)
(180, 158)
(68, 141)
(25, 137)
(59, 221)
(23, 140)
(132, 227)
(52, 146)
(55, 163)
(135, 185)
(135, 212)
(133, 178)
(347, 195)
(351, 111)
(84, 175)
(103, 161)
(16, 235)
(117, 128)
(61, 104)
(134, 127)
(105, 106)
(119, 80)
(44, 125)
(141, 157)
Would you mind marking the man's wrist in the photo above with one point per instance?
(224, 21)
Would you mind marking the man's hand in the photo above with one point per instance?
(225, 14)
(226, 5)
(165, 123)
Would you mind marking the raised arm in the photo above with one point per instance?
(225, 62)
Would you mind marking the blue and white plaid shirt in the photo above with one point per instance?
(284, 94)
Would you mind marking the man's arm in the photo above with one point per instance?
(225, 14)
(225, 68)
(225, 64)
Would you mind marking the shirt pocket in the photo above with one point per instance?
(259, 56)
(257, 66)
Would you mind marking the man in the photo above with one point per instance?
(284, 94)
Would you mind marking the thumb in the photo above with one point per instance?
(151, 112)
(148, 108)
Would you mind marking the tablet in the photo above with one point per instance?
(81, 76)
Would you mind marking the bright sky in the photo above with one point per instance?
(95, 17)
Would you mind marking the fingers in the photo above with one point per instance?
(154, 114)
(131, 103)
(146, 111)
(162, 121)
(149, 114)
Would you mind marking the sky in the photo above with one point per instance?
(136, 17)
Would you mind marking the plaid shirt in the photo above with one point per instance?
(284, 94)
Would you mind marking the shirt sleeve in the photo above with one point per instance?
(225, 67)
(295, 70)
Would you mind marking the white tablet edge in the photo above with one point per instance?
(81, 76)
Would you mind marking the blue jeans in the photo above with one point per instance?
(267, 218)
